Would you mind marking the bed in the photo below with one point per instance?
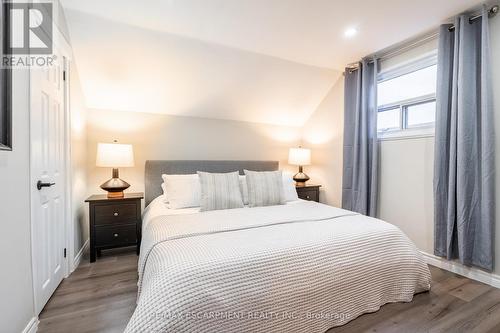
(299, 267)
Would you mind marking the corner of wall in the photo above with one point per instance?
(323, 133)
(79, 172)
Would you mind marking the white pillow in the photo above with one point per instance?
(181, 191)
(164, 196)
(244, 189)
(289, 187)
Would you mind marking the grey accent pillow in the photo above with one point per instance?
(265, 188)
(220, 191)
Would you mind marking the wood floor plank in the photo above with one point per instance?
(470, 290)
(439, 274)
(101, 297)
(469, 316)
(445, 286)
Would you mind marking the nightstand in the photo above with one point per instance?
(308, 192)
(114, 222)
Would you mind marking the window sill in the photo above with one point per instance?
(414, 133)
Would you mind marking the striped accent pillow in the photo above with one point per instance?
(265, 188)
(220, 191)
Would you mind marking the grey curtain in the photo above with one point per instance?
(464, 145)
(360, 169)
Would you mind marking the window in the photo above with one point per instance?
(422, 114)
(388, 119)
(406, 99)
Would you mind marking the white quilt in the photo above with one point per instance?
(304, 267)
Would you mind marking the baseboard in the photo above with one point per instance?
(32, 326)
(79, 255)
(457, 268)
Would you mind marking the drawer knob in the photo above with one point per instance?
(308, 197)
(115, 235)
(115, 214)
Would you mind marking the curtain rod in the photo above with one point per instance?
(384, 55)
(491, 12)
(395, 50)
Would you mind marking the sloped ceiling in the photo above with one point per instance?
(126, 68)
(270, 61)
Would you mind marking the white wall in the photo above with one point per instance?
(323, 133)
(405, 189)
(16, 288)
(78, 162)
(157, 136)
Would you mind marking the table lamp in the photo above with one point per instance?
(114, 155)
(300, 156)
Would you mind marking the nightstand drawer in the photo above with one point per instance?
(311, 195)
(121, 213)
(116, 235)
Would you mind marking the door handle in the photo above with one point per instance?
(40, 185)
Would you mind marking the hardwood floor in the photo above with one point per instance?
(97, 297)
(100, 297)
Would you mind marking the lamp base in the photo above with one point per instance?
(115, 186)
(300, 178)
(112, 195)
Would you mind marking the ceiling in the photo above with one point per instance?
(266, 61)
(306, 31)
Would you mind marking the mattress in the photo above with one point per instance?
(300, 267)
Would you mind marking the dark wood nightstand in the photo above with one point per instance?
(308, 192)
(114, 222)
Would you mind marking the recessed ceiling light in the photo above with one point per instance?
(350, 32)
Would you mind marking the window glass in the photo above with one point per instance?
(418, 83)
(388, 119)
(421, 114)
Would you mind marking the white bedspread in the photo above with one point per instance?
(304, 267)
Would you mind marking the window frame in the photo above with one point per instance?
(432, 99)
(391, 107)
(5, 82)
(405, 131)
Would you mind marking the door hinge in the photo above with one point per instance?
(64, 75)
(64, 252)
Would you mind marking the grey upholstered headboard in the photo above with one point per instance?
(154, 170)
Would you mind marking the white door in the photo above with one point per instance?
(48, 176)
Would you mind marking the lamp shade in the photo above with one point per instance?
(114, 155)
(299, 156)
